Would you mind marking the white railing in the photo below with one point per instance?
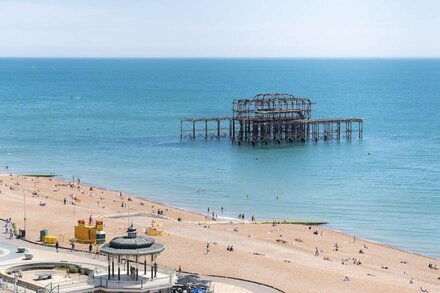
(15, 288)
(120, 284)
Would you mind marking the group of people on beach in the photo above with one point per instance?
(432, 267)
(72, 248)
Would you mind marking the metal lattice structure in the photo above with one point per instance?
(272, 118)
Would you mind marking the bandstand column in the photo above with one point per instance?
(113, 265)
(137, 268)
(155, 266)
(108, 261)
(145, 265)
(151, 267)
(119, 267)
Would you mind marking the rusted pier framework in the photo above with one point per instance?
(208, 128)
(272, 118)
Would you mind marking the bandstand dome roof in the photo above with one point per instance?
(132, 245)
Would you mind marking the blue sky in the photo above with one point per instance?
(220, 28)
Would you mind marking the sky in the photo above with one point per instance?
(220, 28)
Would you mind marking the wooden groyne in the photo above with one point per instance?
(272, 118)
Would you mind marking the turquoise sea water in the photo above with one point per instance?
(114, 123)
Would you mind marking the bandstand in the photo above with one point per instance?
(132, 264)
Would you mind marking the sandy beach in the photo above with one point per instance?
(292, 258)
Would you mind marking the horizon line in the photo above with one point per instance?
(219, 57)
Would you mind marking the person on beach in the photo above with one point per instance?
(90, 248)
(2, 284)
(96, 252)
(316, 251)
(57, 245)
(132, 273)
(207, 248)
(72, 247)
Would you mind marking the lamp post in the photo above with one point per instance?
(24, 212)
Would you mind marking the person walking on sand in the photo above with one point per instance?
(90, 248)
(207, 248)
(72, 247)
(57, 245)
(316, 251)
(96, 252)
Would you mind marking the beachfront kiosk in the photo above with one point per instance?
(136, 266)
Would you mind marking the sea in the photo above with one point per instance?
(115, 123)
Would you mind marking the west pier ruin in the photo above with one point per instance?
(272, 118)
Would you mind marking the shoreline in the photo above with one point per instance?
(390, 246)
(324, 224)
(284, 249)
(305, 222)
